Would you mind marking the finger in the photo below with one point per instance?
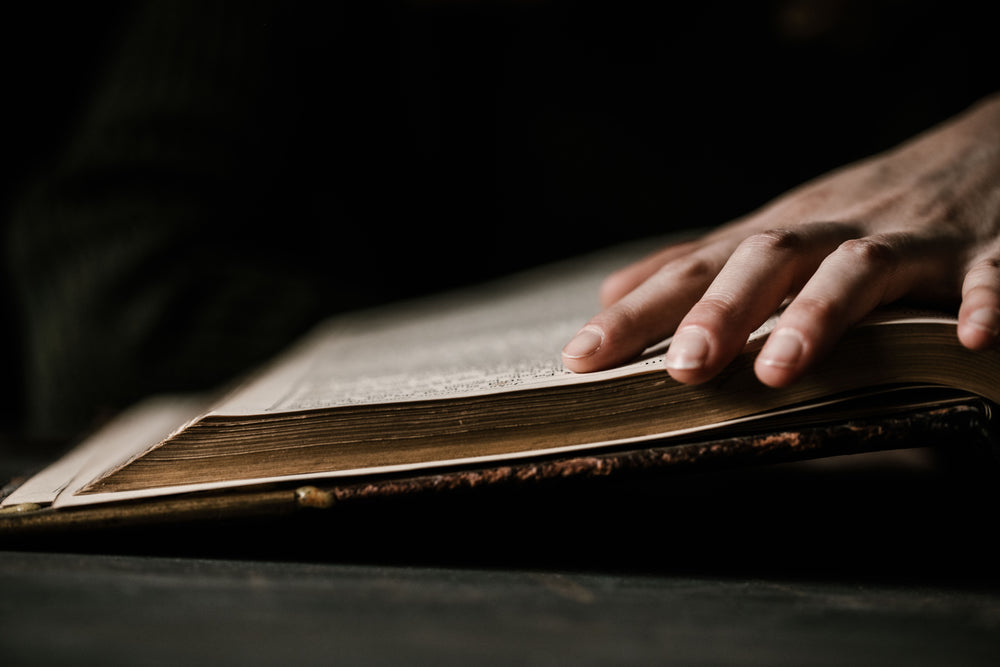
(647, 314)
(623, 281)
(855, 279)
(979, 314)
(759, 276)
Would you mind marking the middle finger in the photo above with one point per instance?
(756, 279)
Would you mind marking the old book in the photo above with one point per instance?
(468, 387)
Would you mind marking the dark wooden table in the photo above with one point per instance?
(146, 610)
(887, 562)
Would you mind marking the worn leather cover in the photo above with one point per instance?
(966, 425)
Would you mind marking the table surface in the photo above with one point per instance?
(795, 565)
(132, 610)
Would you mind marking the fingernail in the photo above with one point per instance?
(986, 319)
(586, 342)
(783, 349)
(688, 350)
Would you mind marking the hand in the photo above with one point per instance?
(920, 222)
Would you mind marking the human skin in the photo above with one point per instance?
(920, 222)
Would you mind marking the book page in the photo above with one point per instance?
(498, 337)
(135, 430)
(67, 497)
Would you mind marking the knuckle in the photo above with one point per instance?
(819, 311)
(871, 251)
(617, 318)
(989, 265)
(774, 240)
(715, 308)
(693, 269)
(985, 272)
(625, 321)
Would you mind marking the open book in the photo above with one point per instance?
(473, 379)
